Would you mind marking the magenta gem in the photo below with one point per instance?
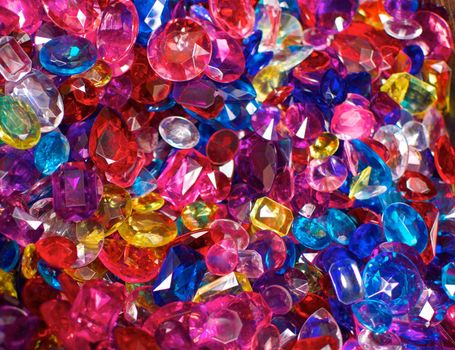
(222, 257)
(278, 299)
(326, 175)
(266, 122)
(352, 122)
(29, 12)
(117, 92)
(271, 247)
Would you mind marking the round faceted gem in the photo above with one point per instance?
(278, 299)
(179, 132)
(19, 125)
(30, 13)
(198, 215)
(149, 229)
(99, 75)
(80, 99)
(392, 278)
(235, 17)
(215, 187)
(325, 145)
(114, 208)
(304, 122)
(321, 323)
(326, 175)
(271, 247)
(222, 229)
(352, 122)
(373, 315)
(448, 280)
(312, 233)
(181, 51)
(117, 31)
(444, 159)
(266, 81)
(266, 122)
(402, 223)
(57, 251)
(37, 90)
(68, 55)
(76, 17)
(222, 146)
(222, 257)
(416, 187)
(117, 92)
(218, 329)
(379, 341)
(267, 337)
(9, 20)
(9, 254)
(52, 151)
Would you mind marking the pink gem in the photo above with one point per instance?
(222, 257)
(223, 326)
(267, 337)
(9, 21)
(29, 12)
(250, 263)
(235, 17)
(326, 175)
(227, 229)
(181, 51)
(96, 309)
(352, 122)
(78, 17)
(271, 247)
(278, 299)
(14, 62)
(117, 92)
(266, 122)
(118, 31)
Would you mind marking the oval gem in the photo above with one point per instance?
(57, 251)
(52, 151)
(179, 132)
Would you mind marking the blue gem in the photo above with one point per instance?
(392, 278)
(448, 280)
(311, 232)
(417, 57)
(237, 116)
(251, 44)
(180, 275)
(364, 239)
(402, 223)
(346, 281)
(332, 254)
(52, 151)
(373, 315)
(152, 15)
(359, 83)
(333, 88)
(9, 254)
(49, 274)
(339, 226)
(237, 91)
(342, 313)
(258, 61)
(291, 255)
(68, 55)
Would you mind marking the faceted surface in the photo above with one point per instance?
(14, 62)
(222, 146)
(76, 17)
(52, 151)
(320, 323)
(448, 280)
(379, 341)
(57, 251)
(326, 175)
(9, 21)
(278, 299)
(80, 98)
(179, 132)
(224, 326)
(228, 229)
(271, 247)
(235, 17)
(374, 315)
(270, 215)
(222, 257)
(444, 155)
(351, 122)
(346, 280)
(68, 55)
(181, 51)
(28, 11)
(312, 233)
(117, 31)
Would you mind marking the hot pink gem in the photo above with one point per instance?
(78, 17)
(304, 122)
(29, 12)
(222, 257)
(326, 175)
(352, 122)
(118, 31)
(278, 299)
(223, 326)
(8, 21)
(181, 51)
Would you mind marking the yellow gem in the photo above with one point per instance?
(93, 271)
(29, 261)
(150, 229)
(270, 215)
(233, 283)
(325, 145)
(410, 92)
(266, 81)
(100, 74)
(198, 215)
(150, 202)
(7, 284)
(114, 208)
(360, 182)
(19, 125)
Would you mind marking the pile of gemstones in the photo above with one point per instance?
(226, 175)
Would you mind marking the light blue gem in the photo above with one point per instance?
(392, 278)
(402, 223)
(52, 151)
(339, 226)
(448, 280)
(346, 281)
(67, 55)
(373, 315)
(49, 275)
(312, 233)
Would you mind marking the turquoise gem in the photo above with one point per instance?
(402, 223)
(67, 55)
(49, 274)
(393, 279)
(52, 151)
(373, 315)
(346, 281)
(312, 233)
(339, 226)
(448, 280)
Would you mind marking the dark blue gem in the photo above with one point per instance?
(333, 88)
(359, 83)
(417, 57)
(9, 254)
(365, 238)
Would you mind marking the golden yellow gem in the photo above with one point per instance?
(198, 215)
(410, 92)
(325, 145)
(233, 283)
(266, 81)
(150, 202)
(29, 262)
(150, 229)
(114, 208)
(270, 215)
(92, 271)
(100, 74)
(7, 284)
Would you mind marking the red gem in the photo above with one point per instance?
(235, 17)
(444, 159)
(222, 146)
(57, 251)
(215, 187)
(80, 98)
(310, 304)
(9, 21)
(69, 286)
(430, 215)
(36, 291)
(132, 338)
(135, 115)
(121, 164)
(416, 186)
(317, 343)
(311, 70)
(365, 216)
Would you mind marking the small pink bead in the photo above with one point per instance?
(222, 257)
(278, 299)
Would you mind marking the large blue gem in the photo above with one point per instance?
(339, 226)
(180, 275)
(333, 88)
(312, 233)
(364, 239)
(373, 314)
(394, 279)
(52, 151)
(68, 55)
(402, 223)
(152, 14)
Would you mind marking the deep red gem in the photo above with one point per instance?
(57, 251)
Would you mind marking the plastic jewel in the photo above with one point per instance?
(14, 62)
(179, 132)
